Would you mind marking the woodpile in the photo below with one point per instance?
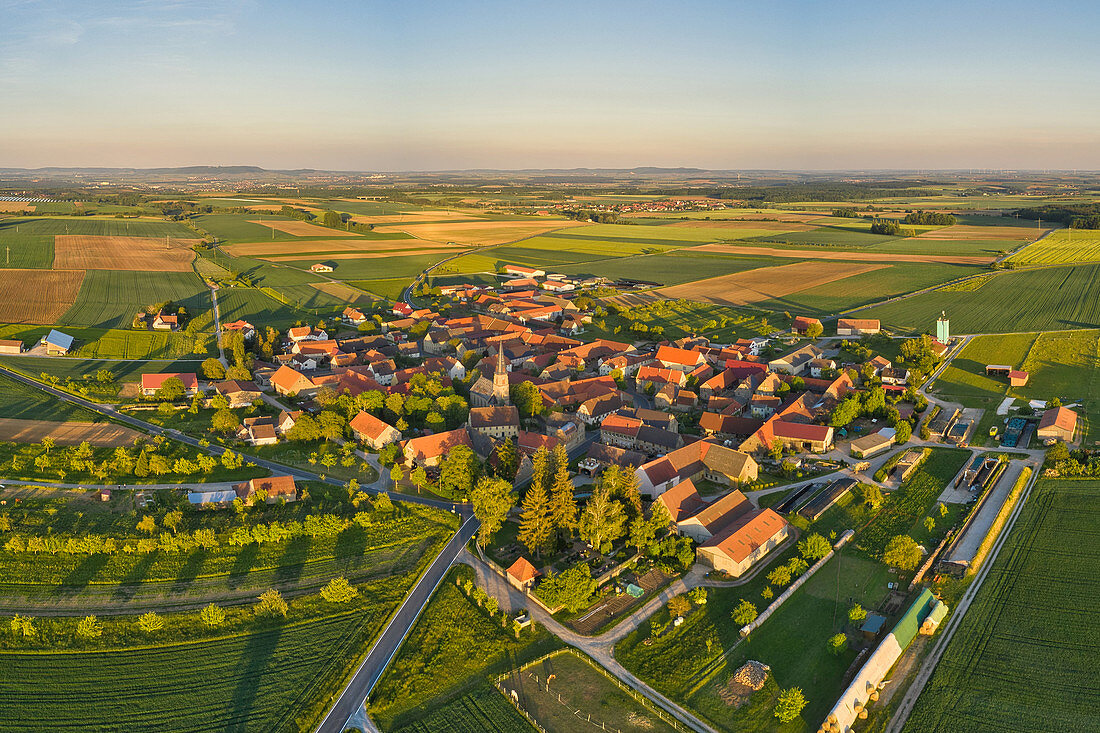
(749, 678)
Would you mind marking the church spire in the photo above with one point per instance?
(501, 385)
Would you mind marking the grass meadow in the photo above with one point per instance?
(110, 298)
(95, 226)
(1023, 654)
(21, 401)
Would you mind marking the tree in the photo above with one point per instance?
(929, 524)
(679, 606)
(563, 505)
(271, 605)
(780, 575)
(629, 488)
(857, 614)
(224, 421)
(603, 520)
(89, 627)
(838, 644)
(642, 533)
(148, 524)
(528, 399)
(814, 330)
(150, 622)
(902, 552)
(789, 704)
(775, 450)
(492, 499)
(339, 590)
(396, 474)
(23, 626)
(459, 471)
(507, 460)
(536, 528)
(419, 477)
(172, 520)
(213, 369)
(903, 431)
(171, 389)
(745, 613)
(814, 547)
(572, 588)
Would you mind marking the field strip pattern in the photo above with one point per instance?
(66, 433)
(297, 249)
(37, 296)
(811, 254)
(302, 228)
(765, 283)
(93, 252)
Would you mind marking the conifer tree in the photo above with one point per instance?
(563, 506)
(536, 528)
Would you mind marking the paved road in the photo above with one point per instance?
(218, 325)
(378, 658)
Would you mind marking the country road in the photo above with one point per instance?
(351, 699)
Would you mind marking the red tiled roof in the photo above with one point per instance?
(368, 425)
(747, 534)
(682, 500)
(523, 571)
(1060, 417)
(156, 381)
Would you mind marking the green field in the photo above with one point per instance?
(21, 401)
(278, 679)
(1025, 652)
(1060, 247)
(110, 298)
(450, 653)
(1044, 299)
(77, 368)
(257, 308)
(95, 226)
(673, 268)
(25, 250)
(387, 288)
(371, 268)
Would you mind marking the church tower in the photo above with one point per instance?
(500, 381)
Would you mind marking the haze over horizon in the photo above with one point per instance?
(387, 87)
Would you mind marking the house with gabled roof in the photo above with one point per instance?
(366, 428)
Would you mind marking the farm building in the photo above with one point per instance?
(909, 463)
(1059, 423)
(873, 444)
(1016, 377)
(894, 376)
(857, 326)
(829, 496)
(703, 458)
(57, 343)
(525, 272)
(11, 346)
(150, 383)
(239, 393)
(801, 324)
(803, 437)
(321, 267)
(428, 450)
(247, 329)
(221, 498)
(735, 549)
(499, 421)
(288, 381)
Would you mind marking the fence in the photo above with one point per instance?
(644, 701)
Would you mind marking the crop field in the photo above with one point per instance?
(66, 433)
(256, 307)
(1061, 247)
(234, 228)
(484, 710)
(766, 283)
(85, 252)
(859, 290)
(972, 232)
(125, 344)
(276, 679)
(91, 226)
(384, 288)
(332, 257)
(14, 207)
(110, 298)
(587, 696)
(832, 236)
(1046, 299)
(390, 266)
(479, 232)
(18, 400)
(758, 227)
(297, 249)
(411, 217)
(672, 268)
(37, 296)
(76, 368)
(301, 228)
(343, 293)
(1024, 655)
(26, 250)
(309, 297)
(875, 256)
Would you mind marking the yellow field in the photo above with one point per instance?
(10, 207)
(480, 232)
(296, 250)
(364, 255)
(813, 254)
(1065, 246)
(765, 283)
(303, 229)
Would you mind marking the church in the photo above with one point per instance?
(484, 393)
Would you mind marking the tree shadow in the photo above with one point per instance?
(129, 585)
(350, 546)
(255, 660)
(293, 560)
(246, 558)
(189, 571)
(78, 579)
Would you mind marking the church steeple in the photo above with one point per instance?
(500, 380)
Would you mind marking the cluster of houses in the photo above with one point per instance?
(273, 489)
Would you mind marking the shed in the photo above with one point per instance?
(57, 343)
(872, 625)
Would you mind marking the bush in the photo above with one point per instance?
(789, 704)
(857, 614)
(271, 605)
(212, 616)
(150, 622)
(339, 590)
(814, 547)
(838, 644)
(89, 627)
(679, 606)
(745, 613)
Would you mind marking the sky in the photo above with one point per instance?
(409, 85)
